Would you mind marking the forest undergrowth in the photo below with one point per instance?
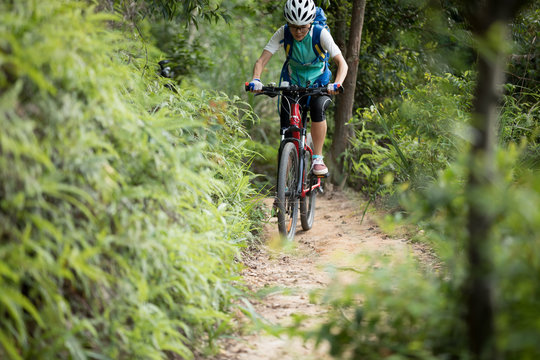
(127, 198)
(124, 202)
(410, 153)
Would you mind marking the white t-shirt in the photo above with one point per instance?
(327, 42)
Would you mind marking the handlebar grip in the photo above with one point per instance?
(247, 86)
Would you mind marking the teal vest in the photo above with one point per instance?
(302, 65)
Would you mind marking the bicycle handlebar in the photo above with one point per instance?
(277, 90)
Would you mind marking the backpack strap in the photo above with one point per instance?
(322, 55)
(317, 47)
(287, 41)
(287, 45)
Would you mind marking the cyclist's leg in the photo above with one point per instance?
(318, 106)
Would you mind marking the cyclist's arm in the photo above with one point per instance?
(329, 45)
(270, 49)
(261, 63)
(342, 68)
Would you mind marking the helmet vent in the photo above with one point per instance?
(299, 12)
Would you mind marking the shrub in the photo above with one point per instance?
(415, 138)
(403, 311)
(520, 122)
(123, 204)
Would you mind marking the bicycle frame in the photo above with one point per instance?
(297, 127)
(293, 159)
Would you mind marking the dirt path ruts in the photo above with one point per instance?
(336, 239)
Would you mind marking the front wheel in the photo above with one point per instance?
(307, 203)
(287, 201)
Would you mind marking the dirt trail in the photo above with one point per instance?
(336, 239)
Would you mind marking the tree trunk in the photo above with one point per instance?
(339, 26)
(478, 286)
(488, 20)
(345, 101)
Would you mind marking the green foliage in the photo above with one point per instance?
(510, 200)
(186, 56)
(524, 65)
(516, 268)
(123, 204)
(399, 311)
(417, 139)
(185, 11)
(402, 40)
(414, 139)
(174, 26)
(520, 122)
(232, 50)
(392, 311)
(264, 163)
(192, 9)
(234, 47)
(385, 63)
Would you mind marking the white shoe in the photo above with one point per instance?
(318, 167)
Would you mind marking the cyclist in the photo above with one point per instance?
(303, 66)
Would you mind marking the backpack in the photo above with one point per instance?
(318, 25)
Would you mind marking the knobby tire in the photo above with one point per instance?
(287, 201)
(307, 203)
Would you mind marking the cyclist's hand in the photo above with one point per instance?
(334, 88)
(255, 85)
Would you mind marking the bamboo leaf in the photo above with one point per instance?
(8, 347)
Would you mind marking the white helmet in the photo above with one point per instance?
(299, 12)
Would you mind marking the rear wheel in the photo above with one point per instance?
(287, 202)
(307, 203)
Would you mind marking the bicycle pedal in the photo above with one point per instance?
(319, 176)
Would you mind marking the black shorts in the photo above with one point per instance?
(317, 109)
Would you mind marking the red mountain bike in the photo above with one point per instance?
(297, 186)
